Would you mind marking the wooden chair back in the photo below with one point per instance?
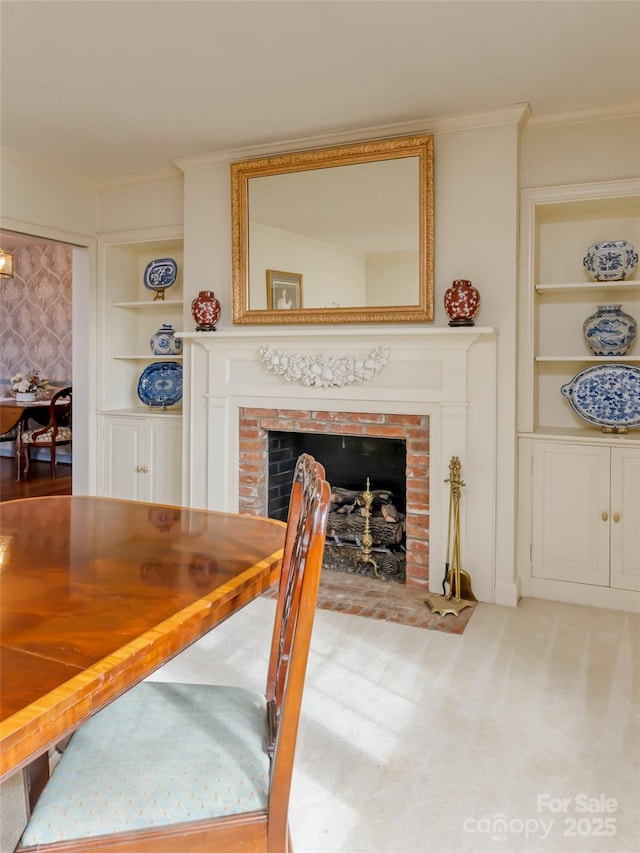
(263, 830)
(50, 435)
(297, 599)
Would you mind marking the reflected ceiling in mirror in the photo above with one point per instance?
(341, 234)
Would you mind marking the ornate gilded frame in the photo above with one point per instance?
(386, 149)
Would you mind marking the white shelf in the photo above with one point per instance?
(599, 359)
(584, 435)
(586, 287)
(153, 303)
(150, 357)
(147, 411)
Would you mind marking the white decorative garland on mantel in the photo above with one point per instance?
(323, 370)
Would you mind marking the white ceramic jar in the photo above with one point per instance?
(164, 342)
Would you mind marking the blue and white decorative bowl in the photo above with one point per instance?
(164, 342)
(606, 395)
(610, 332)
(610, 260)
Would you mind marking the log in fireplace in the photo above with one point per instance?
(350, 462)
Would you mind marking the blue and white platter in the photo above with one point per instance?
(160, 274)
(160, 384)
(606, 395)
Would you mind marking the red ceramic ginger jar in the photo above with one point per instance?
(461, 301)
(205, 309)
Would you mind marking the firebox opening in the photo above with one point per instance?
(349, 461)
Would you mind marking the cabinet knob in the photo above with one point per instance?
(616, 517)
(605, 515)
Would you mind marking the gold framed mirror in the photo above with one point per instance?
(355, 221)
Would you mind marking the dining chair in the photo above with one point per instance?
(190, 768)
(57, 432)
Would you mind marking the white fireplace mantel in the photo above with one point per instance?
(446, 373)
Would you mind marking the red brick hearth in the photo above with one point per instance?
(255, 423)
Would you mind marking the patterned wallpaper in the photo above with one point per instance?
(35, 314)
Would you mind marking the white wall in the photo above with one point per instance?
(331, 274)
(391, 278)
(476, 210)
(51, 205)
(30, 194)
(146, 204)
(207, 236)
(577, 152)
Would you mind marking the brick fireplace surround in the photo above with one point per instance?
(436, 388)
(255, 424)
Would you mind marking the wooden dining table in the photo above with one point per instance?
(96, 593)
(12, 413)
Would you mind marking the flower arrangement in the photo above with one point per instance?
(29, 382)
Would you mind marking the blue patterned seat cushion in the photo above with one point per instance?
(161, 754)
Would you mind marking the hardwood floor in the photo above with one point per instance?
(38, 483)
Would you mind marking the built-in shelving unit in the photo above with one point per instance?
(558, 224)
(579, 488)
(139, 447)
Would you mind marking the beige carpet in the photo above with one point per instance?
(412, 741)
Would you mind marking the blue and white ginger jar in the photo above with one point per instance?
(610, 260)
(610, 331)
(164, 342)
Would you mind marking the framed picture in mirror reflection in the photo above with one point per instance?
(284, 290)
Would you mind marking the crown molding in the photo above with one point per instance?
(44, 232)
(517, 114)
(37, 165)
(604, 113)
(446, 124)
(155, 177)
(33, 163)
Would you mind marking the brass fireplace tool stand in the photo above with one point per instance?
(458, 580)
(367, 539)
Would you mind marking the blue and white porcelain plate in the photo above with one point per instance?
(606, 395)
(160, 384)
(160, 274)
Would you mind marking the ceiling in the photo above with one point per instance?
(115, 89)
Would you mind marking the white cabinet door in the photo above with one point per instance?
(122, 449)
(571, 513)
(164, 452)
(142, 458)
(625, 517)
